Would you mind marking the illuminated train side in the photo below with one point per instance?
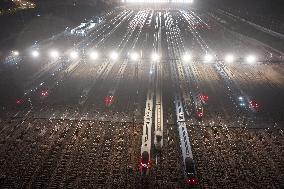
(159, 124)
(189, 165)
(145, 162)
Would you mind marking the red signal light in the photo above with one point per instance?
(203, 97)
(44, 93)
(206, 98)
(191, 181)
(200, 114)
(146, 165)
(19, 101)
(108, 100)
(254, 104)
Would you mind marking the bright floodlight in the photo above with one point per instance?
(134, 56)
(15, 53)
(155, 57)
(229, 58)
(251, 59)
(35, 53)
(186, 57)
(74, 54)
(54, 54)
(94, 55)
(208, 58)
(113, 56)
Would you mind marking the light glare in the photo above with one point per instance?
(134, 56)
(186, 57)
(229, 58)
(74, 55)
(113, 56)
(54, 54)
(15, 53)
(94, 55)
(35, 53)
(251, 59)
(155, 57)
(208, 58)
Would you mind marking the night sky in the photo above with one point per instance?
(60, 14)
